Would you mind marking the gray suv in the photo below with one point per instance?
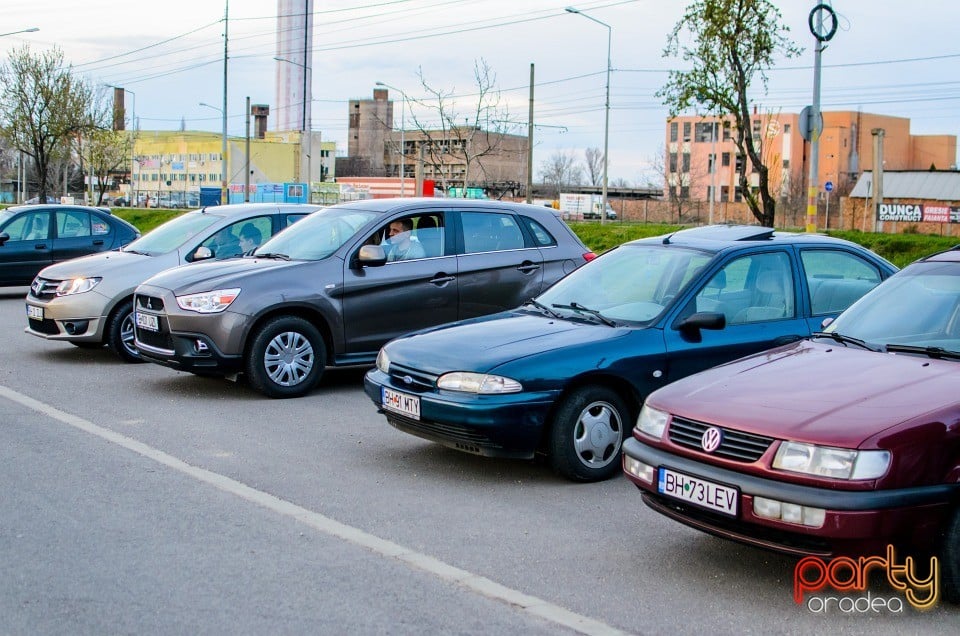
(335, 287)
(88, 301)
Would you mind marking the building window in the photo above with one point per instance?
(673, 131)
(686, 162)
(684, 192)
(737, 194)
(786, 129)
(756, 128)
(686, 131)
(725, 160)
(704, 131)
(786, 164)
(726, 131)
(673, 162)
(724, 193)
(673, 192)
(711, 163)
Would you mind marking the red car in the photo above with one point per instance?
(842, 444)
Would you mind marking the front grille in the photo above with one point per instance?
(411, 379)
(736, 445)
(44, 288)
(149, 302)
(459, 437)
(46, 326)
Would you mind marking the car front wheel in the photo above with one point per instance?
(120, 333)
(587, 434)
(286, 357)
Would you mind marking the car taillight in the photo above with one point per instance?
(588, 256)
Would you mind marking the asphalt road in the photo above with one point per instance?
(136, 499)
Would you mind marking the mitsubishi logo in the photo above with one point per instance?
(711, 440)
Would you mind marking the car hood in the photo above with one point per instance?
(209, 275)
(485, 343)
(100, 264)
(815, 392)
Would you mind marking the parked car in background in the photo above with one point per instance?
(842, 444)
(35, 236)
(89, 301)
(336, 286)
(565, 375)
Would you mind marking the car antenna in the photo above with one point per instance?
(666, 239)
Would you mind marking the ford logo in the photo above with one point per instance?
(711, 440)
(407, 379)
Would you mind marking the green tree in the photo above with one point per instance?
(43, 106)
(728, 44)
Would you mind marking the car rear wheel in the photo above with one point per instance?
(120, 333)
(950, 559)
(286, 357)
(587, 434)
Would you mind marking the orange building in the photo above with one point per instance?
(701, 155)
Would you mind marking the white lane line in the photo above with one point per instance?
(444, 571)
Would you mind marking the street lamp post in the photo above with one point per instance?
(606, 124)
(305, 130)
(30, 30)
(223, 155)
(403, 125)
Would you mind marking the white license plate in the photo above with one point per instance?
(701, 492)
(400, 402)
(34, 312)
(148, 322)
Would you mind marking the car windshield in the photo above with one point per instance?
(173, 233)
(318, 235)
(918, 307)
(633, 283)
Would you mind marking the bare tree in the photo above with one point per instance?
(559, 170)
(105, 153)
(452, 137)
(43, 106)
(593, 159)
(732, 42)
(679, 177)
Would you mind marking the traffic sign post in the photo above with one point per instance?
(828, 186)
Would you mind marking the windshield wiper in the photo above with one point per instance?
(575, 306)
(932, 352)
(135, 252)
(277, 255)
(839, 337)
(544, 308)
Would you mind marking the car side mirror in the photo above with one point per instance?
(826, 322)
(371, 256)
(690, 326)
(4, 237)
(203, 254)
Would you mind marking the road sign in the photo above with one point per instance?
(828, 186)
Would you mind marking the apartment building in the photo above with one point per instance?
(701, 156)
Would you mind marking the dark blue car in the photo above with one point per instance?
(566, 374)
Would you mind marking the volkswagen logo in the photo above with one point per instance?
(711, 440)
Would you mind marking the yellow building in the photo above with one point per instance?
(171, 166)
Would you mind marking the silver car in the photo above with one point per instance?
(88, 301)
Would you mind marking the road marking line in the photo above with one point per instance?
(481, 585)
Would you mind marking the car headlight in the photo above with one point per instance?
(77, 285)
(478, 383)
(210, 302)
(836, 463)
(652, 422)
(383, 361)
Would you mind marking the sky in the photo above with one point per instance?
(887, 57)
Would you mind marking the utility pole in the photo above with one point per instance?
(530, 142)
(816, 25)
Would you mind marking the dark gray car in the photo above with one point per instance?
(335, 287)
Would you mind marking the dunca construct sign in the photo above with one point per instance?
(917, 213)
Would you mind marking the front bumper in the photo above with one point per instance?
(855, 521)
(75, 318)
(509, 425)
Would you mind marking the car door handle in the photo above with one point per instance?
(39, 246)
(442, 279)
(527, 267)
(98, 242)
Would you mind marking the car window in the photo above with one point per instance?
(489, 232)
(541, 236)
(173, 233)
(72, 223)
(410, 237)
(632, 283)
(836, 279)
(292, 218)
(753, 288)
(319, 234)
(239, 238)
(29, 227)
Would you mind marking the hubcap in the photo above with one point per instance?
(288, 358)
(127, 335)
(598, 435)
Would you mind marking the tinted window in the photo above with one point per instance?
(490, 231)
(540, 235)
(72, 223)
(29, 227)
(836, 279)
